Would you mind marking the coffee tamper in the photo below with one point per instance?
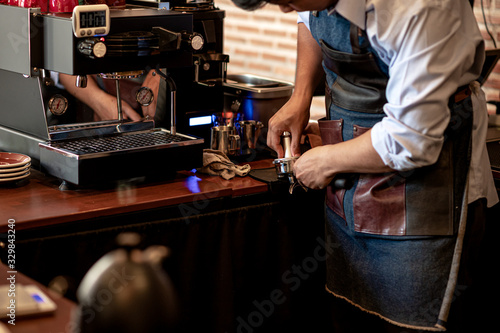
(284, 166)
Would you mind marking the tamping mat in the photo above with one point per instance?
(270, 177)
(267, 175)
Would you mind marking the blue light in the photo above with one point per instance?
(197, 121)
(247, 106)
(37, 298)
(192, 184)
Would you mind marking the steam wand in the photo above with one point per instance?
(173, 106)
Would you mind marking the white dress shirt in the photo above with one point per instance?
(431, 47)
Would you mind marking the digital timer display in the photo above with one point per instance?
(90, 20)
(94, 19)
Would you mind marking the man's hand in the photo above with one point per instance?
(290, 118)
(310, 169)
(294, 115)
(104, 105)
(317, 167)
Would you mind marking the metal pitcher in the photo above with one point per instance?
(225, 139)
(249, 134)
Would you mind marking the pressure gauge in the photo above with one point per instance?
(90, 20)
(144, 96)
(58, 104)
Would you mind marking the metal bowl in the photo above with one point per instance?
(284, 166)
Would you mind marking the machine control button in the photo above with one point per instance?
(99, 49)
(92, 48)
(197, 42)
(193, 41)
(99, 31)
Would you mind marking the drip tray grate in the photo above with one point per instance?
(121, 142)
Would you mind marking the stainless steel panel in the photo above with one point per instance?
(22, 105)
(260, 97)
(20, 39)
(13, 141)
(58, 41)
(257, 87)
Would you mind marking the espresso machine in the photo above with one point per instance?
(206, 78)
(115, 44)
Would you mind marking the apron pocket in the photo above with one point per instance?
(331, 133)
(379, 201)
(379, 204)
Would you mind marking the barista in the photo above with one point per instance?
(401, 100)
(100, 96)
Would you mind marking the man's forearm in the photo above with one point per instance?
(87, 95)
(309, 71)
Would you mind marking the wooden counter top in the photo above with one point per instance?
(60, 321)
(40, 202)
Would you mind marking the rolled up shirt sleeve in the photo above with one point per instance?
(430, 54)
(303, 17)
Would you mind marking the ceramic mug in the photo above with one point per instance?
(62, 6)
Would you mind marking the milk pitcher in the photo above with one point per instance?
(249, 133)
(225, 139)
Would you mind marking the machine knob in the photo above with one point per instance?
(173, 41)
(92, 48)
(193, 41)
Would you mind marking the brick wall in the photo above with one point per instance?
(263, 42)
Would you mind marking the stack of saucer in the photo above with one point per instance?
(14, 167)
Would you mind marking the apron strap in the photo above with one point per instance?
(354, 34)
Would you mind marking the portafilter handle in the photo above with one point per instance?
(284, 166)
(286, 142)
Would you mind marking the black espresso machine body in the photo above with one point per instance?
(91, 152)
(201, 86)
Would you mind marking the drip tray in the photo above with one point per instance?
(93, 160)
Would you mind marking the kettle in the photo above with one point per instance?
(126, 291)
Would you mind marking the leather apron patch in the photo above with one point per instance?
(331, 133)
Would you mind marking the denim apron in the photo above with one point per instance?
(394, 235)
